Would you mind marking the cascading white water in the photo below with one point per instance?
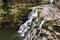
(40, 26)
(51, 1)
(33, 14)
(32, 22)
(24, 28)
(30, 35)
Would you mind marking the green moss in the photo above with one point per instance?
(50, 22)
(41, 17)
(3, 11)
(19, 12)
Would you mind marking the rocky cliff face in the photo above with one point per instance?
(57, 3)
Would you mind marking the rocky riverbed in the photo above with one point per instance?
(51, 24)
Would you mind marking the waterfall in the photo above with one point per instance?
(27, 25)
(32, 28)
(40, 26)
(51, 1)
(23, 28)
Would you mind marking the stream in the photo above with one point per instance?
(33, 28)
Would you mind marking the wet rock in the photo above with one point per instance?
(45, 32)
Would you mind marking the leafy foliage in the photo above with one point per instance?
(19, 12)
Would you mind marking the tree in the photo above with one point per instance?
(5, 4)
